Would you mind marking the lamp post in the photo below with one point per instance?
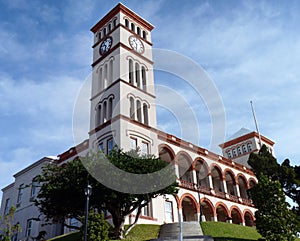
(88, 193)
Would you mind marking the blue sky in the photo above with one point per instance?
(251, 50)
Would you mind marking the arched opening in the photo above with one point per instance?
(222, 214)
(252, 183)
(144, 78)
(126, 23)
(130, 71)
(249, 220)
(145, 112)
(105, 77)
(236, 216)
(243, 187)
(144, 34)
(207, 211)
(230, 183)
(100, 86)
(202, 174)
(138, 30)
(165, 154)
(137, 75)
(132, 109)
(104, 112)
(189, 210)
(185, 168)
(111, 71)
(132, 27)
(110, 108)
(217, 179)
(139, 111)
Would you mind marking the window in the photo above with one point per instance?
(109, 27)
(101, 146)
(249, 145)
(104, 31)
(104, 111)
(132, 27)
(234, 152)
(144, 78)
(7, 206)
(139, 111)
(229, 154)
(169, 212)
(115, 22)
(15, 237)
(28, 227)
(34, 185)
(145, 112)
(239, 151)
(126, 23)
(137, 75)
(110, 107)
(130, 71)
(138, 30)
(105, 76)
(110, 145)
(144, 35)
(111, 71)
(144, 148)
(133, 143)
(132, 112)
(244, 148)
(100, 37)
(20, 194)
(98, 116)
(100, 79)
(147, 210)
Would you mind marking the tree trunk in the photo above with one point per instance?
(118, 222)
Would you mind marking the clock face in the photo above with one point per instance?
(136, 44)
(105, 45)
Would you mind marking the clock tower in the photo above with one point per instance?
(123, 111)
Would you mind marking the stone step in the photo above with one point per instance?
(190, 238)
(173, 229)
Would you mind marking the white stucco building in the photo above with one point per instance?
(123, 113)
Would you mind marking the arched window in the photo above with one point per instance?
(98, 116)
(185, 168)
(99, 35)
(109, 27)
(144, 78)
(131, 110)
(239, 150)
(145, 112)
(130, 71)
(104, 112)
(104, 32)
(229, 154)
(126, 23)
(115, 22)
(230, 183)
(110, 107)
(202, 174)
(100, 79)
(144, 34)
(132, 27)
(244, 148)
(243, 187)
(139, 111)
(249, 145)
(137, 75)
(217, 179)
(138, 30)
(111, 71)
(234, 152)
(105, 77)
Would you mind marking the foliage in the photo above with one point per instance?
(274, 220)
(226, 231)
(9, 228)
(59, 183)
(98, 228)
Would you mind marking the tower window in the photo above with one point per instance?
(239, 151)
(229, 154)
(249, 145)
(105, 77)
(131, 108)
(110, 145)
(99, 35)
(244, 148)
(137, 75)
(234, 152)
(144, 34)
(144, 78)
(104, 32)
(109, 27)
(115, 22)
(145, 112)
(104, 112)
(127, 23)
(138, 30)
(111, 71)
(110, 107)
(130, 71)
(132, 27)
(98, 115)
(139, 111)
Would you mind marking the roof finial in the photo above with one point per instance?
(256, 125)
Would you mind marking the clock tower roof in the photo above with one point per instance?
(121, 8)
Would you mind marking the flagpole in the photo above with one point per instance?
(256, 125)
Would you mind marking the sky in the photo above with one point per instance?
(249, 49)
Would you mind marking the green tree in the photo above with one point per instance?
(9, 227)
(274, 220)
(60, 183)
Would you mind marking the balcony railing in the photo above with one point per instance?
(220, 194)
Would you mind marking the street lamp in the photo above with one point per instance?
(198, 184)
(88, 193)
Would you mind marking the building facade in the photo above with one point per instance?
(213, 187)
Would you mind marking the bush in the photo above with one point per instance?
(98, 228)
